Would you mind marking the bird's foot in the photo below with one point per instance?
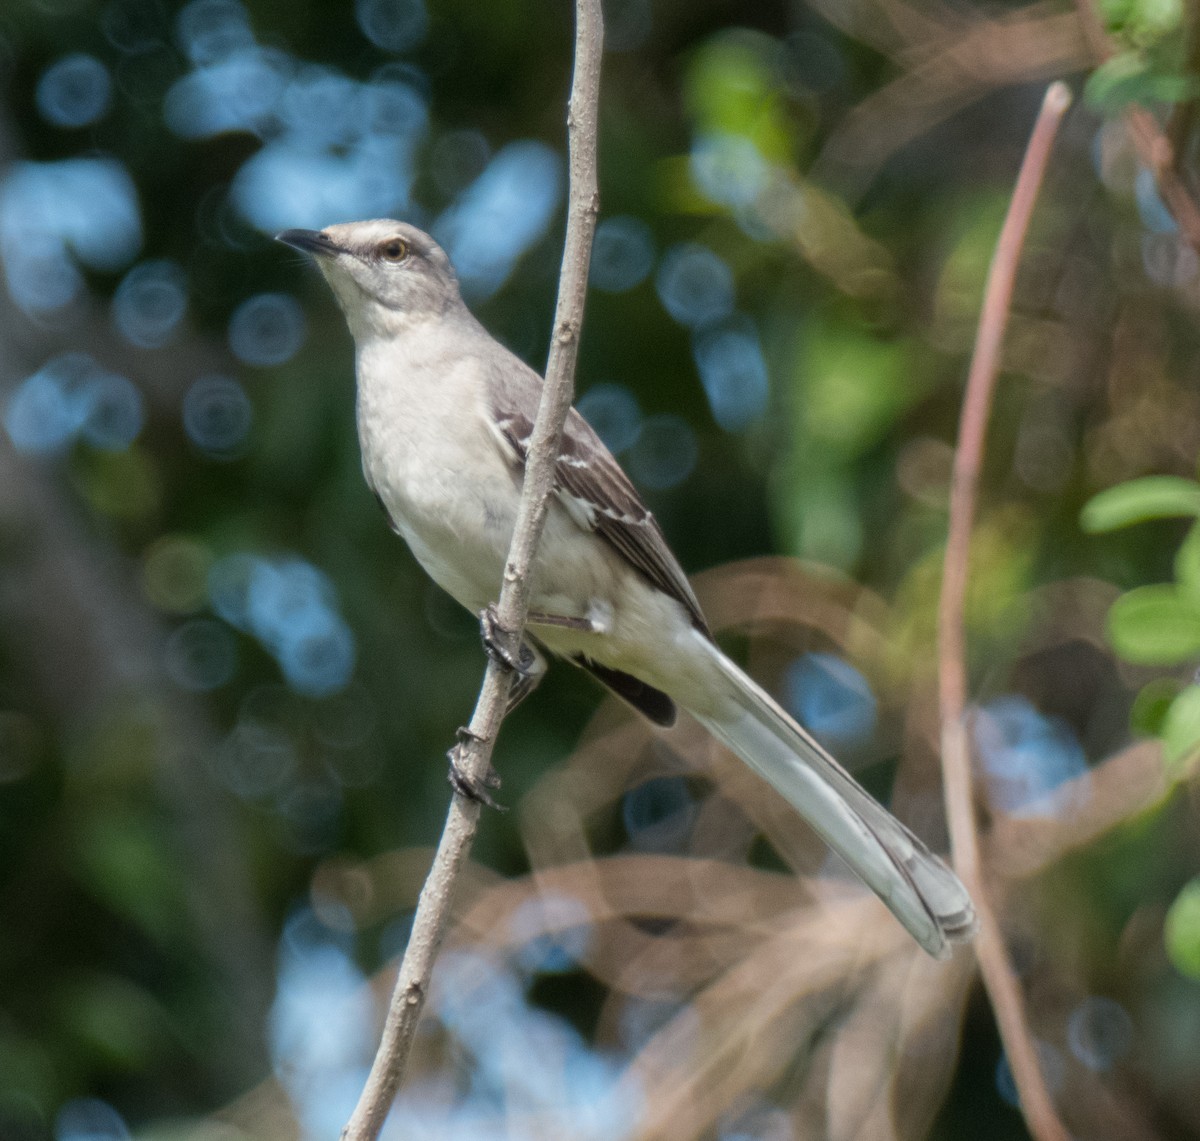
(467, 786)
(494, 636)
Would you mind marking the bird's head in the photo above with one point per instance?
(385, 274)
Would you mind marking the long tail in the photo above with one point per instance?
(921, 891)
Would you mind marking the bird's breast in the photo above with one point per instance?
(428, 455)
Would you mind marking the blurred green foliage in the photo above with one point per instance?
(1158, 625)
(1151, 65)
(1183, 930)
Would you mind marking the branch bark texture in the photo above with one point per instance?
(434, 905)
(995, 965)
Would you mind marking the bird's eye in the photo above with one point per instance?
(394, 250)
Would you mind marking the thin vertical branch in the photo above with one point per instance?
(433, 907)
(996, 967)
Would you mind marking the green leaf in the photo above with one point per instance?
(1152, 19)
(1129, 78)
(125, 859)
(1116, 81)
(1116, 12)
(1150, 707)
(1155, 625)
(1181, 932)
(1170, 87)
(113, 1021)
(1181, 726)
(1152, 497)
(1142, 22)
(1187, 564)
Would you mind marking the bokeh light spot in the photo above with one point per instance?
(310, 808)
(255, 760)
(320, 660)
(1054, 1072)
(229, 588)
(201, 655)
(116, 412)
(47, 410)
(622, 254)
(74, 91)
(175, 571)
(551, 932)
(238, 93)
(728, 169)
(1152, 209)
(658, 814)
(267, 329)
(1031, 761)
(289, 605)
(288, 183)
(319, 1030)
(665, 452)
(71, 396)
(210, 30)
(1099, 1032)
(217, 415)
(831, 699)
(612, 410)
(134, 27)
(395, 109)
(734, 374)
(695, 285)
(758, 1121)
(83, 206)
(149, 303)
(89, 1119)
(323, 106)
(393, 25)
(501, 214)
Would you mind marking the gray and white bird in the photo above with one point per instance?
(445, 414)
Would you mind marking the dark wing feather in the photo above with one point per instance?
(648, 701)
(599, 495)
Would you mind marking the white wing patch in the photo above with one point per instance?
(582, 512)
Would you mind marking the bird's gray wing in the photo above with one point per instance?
(599, 497)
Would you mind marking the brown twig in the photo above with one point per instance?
(956, 63)
(995, 965)
(433, 907)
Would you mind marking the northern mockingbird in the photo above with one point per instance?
(445, 414)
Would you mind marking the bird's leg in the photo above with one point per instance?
(587, 625)
(530, 669)
(467, 786)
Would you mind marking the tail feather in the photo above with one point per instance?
(921, 891)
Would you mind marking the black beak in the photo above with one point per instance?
(309, 242)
